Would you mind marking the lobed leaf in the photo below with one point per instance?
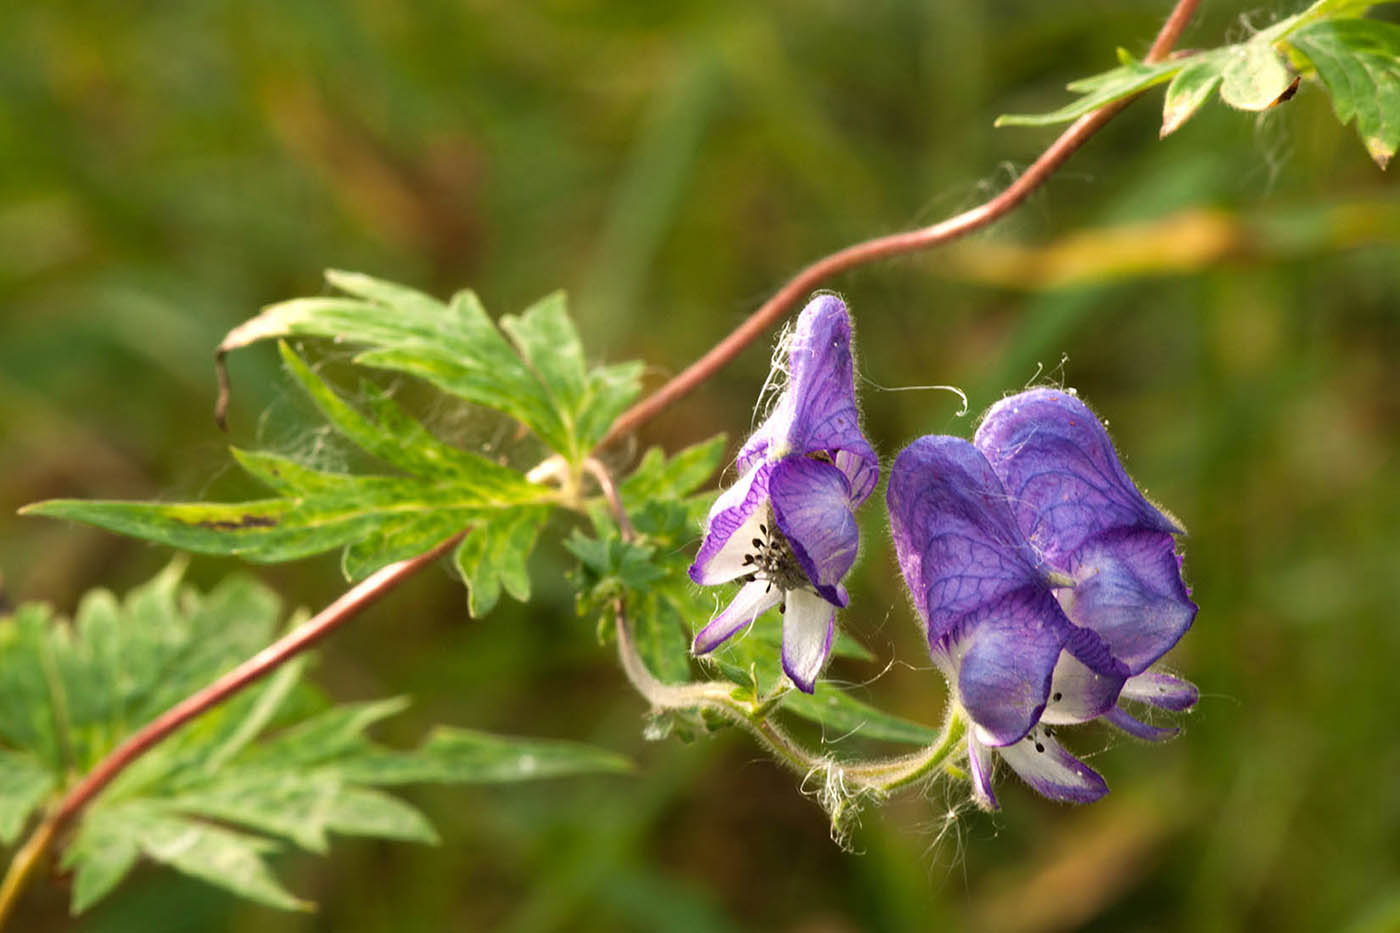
(539, 377)
(1358, 60)
(376, 519)
(206, 801)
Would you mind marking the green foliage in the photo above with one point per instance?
(377, 518)
(542, 380)
(1357, 60)
(648, 571)
(225, 792)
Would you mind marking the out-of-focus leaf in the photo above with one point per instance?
(1253, 75)
(1355, 58)
(468, 757)
(1358, 60)
(72, 693)
(23, 784)
(1189, 89)
(1124, 81)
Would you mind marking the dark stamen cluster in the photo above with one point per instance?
(772, 560)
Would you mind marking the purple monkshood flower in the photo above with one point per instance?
(787, 527)
(1046, 582)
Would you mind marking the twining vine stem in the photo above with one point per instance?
(909, 241)
(884, 775)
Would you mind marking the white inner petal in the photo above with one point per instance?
(752, 600)
(979, 763)
(1077, 694)
(1045, 765)
(807, 625)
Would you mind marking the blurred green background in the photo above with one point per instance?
(1226, 298)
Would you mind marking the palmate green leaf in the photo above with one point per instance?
(377, 519)
(1358, 60)
(542, 380)
(222, 794)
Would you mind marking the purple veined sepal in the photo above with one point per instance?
(816, 414)
(1075, 504)
(986, 600)
(1154, 688)
(787, 527)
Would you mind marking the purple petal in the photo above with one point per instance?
(1136, 727)
(1078, 693)
(752, 600)
(812, 506)
(957, 541)
(823, 413)
(1005, 654)
(809, 624)
(1062, 473)
(1043, 763)
(1162, 690)
(1128, 590)
(979, 765)
(731, 527)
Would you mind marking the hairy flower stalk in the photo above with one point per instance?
(787, 528)
(1046, 582)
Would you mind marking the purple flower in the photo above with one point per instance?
(787, 527)
(1046, 582)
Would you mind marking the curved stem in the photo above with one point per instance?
(23, 865)
(894, 244)
(877, 778)
(357, 598)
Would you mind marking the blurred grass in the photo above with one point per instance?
(1226, 298)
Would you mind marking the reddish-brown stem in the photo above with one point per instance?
(894, 244)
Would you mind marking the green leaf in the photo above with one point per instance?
(494, 555)
(842, 714)
(377, 519)
(206, 799)
(281, 802)
(657, 477)
(224, 858)
(24, 782)
(542, 381)
(1188, 90)
(1358, 60)
(102, 852)
(1124, 81)
(1253, 75)
(464, 756)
